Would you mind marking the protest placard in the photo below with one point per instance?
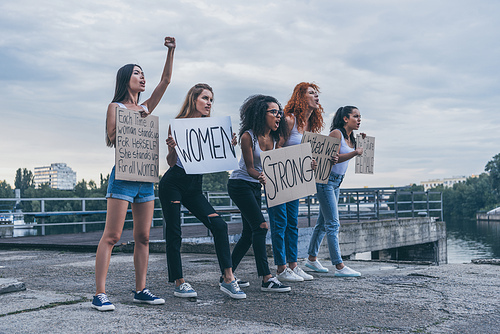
(137, 149)
(364, 162)
(204, 144)
(323, 148)
(288, 173)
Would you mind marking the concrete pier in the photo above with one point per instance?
(387, 298)
(6, 230)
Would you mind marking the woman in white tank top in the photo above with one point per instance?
(345, 121)
(130, 82)
(261, 126)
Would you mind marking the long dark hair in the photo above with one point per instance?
(338, 122)
(121, 91)
(122, 83)
(253, 116)
(189, 105)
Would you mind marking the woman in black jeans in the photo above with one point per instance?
(177, 187)
(261, 125)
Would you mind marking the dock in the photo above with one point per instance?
(387, 298)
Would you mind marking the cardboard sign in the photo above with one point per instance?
(288, 172)
(323, 148)
(137, 149)
(364, 162)
(204, 144)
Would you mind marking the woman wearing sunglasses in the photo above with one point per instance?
(261, 126)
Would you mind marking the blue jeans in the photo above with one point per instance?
(328, 219)
(283, 220)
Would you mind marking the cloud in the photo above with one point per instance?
(422, 73)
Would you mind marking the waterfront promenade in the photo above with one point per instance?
(388, 298)
(57, 272)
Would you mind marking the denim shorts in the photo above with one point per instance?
(130, 191)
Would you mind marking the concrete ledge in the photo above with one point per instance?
(11, 285)
(487, 261)
(203, 245)
(427, 235)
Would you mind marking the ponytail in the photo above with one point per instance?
(338, 122)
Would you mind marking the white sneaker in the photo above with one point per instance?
(289, 276)
(316, 266)
(301, 273)
(346, 272)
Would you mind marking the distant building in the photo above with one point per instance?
(58, 176)
(447, 182)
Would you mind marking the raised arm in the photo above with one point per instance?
(157, 94)
(346, 156)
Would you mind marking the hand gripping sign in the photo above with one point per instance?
(323, 148)
(288, 172)
(204, 144)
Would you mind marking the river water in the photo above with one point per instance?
(468, 239)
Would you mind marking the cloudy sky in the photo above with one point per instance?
(424, 74)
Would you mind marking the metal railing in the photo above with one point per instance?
(71, 215)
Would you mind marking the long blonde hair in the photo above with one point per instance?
(189, 105)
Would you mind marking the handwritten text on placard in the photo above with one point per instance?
(364, 162)
(288, 172)
(137, 149)
(204, 144)
(323, 149)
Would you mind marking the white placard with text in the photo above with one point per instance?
(204, 144)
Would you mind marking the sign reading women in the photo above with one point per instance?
(288, 173)
(364, 162)
(137, 149)
(323, 149)
(204, 144)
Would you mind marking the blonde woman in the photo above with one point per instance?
(176, 188)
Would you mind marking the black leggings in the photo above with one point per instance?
(177, 187)
(247, 196)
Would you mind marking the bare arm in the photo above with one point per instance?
(172, 154)
(157, 94)
(290, 121)
(346, 156)
(247, 153)
(111, 122)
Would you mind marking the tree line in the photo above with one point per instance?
(24, 181)
(476, 194)
(462, 201)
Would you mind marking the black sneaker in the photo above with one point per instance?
(274, 285)
(242, 284)
(146, 297)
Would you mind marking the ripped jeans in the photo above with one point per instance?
(177, 187)
(247, 196)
